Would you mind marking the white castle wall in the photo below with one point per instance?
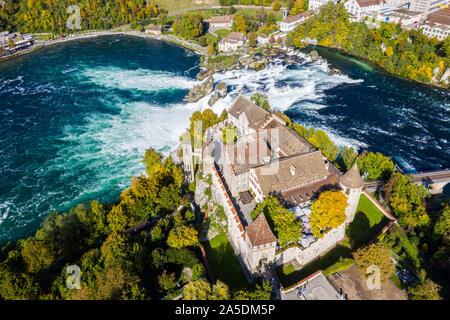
(306, 255)
(353, 196)
(236, 231)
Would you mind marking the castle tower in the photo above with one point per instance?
(188, 164)
(262, 242)
(352, 184)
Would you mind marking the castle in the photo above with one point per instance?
(270, 158)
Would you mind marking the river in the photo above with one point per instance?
(71, 138)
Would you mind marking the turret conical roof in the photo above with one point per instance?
(352, 178)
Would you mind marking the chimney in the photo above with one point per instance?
(292, 170)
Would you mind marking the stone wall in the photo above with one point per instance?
(305, 255)
(236, 231)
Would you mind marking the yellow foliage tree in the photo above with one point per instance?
(376, 256)
(202, 290)
(328, 212)
(240, 24)
(276, 5)
(298, 7)
(183, 236)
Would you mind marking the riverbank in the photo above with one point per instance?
(168, 38)
(377, 66)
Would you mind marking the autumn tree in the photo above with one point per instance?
(118, 283)
(202, 290)
(166, 281)
(272, 38)
(252, 39)
(229, 135)
(428, 290)
(239, 24)
(184, 236)
(276, 5)
(298, 7)
(210, 49)
(376, 254)
(328, 212)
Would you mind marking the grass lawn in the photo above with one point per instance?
(288, 277)
(222, 32)
(208, 13)
(176, 5)
(224, 264)
(368, 222)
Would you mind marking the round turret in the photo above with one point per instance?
(352, 179)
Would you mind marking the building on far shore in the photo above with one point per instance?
(232, 42)
(437, 24)
(401, 15)
(291, 22)
(220, 22)
(360, 8)
(153, 29)
(314, 5)
(14, 42)
(427, 6)
(263, 39)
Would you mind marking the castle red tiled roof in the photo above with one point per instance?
(259, 231)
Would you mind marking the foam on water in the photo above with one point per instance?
(139, 79)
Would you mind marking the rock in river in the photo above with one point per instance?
(200, 90)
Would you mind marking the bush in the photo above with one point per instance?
(341, 265)
(182, 256)
(198, 271)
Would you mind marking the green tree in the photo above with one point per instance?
(283, 222)
(261, 292)
(375, 166)
(37, 255)
(270, 20)
(261, 100)
(407, 201)
(252, 39)
(443, 222)
(17, 286)
(198, 271)
(347, 158)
